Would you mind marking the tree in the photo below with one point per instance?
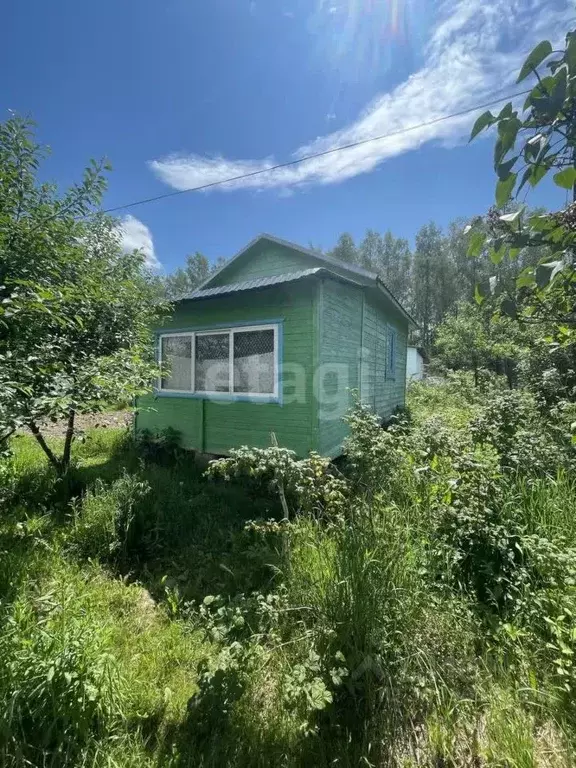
(75, 312)
(390, 258)
(184, 280)
(471, 339)
(396, 269)
(345, 249)
(370, 251)
(428, 255)
(530, 145)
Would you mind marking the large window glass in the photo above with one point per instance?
(176, 357)
(254, 361)
(212, 365)
(240, 361)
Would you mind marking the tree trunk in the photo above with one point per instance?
(45, 447)
(6, 436)
(509, 373)
(68, 441)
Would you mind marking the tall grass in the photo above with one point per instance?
(152, 616)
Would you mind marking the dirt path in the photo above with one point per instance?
(110, 419)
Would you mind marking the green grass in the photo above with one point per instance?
(144, 621)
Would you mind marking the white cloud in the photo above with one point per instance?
(135, 235)
(473, 55)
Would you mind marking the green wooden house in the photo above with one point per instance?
(276, 341)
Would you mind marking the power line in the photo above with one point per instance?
(315, 155)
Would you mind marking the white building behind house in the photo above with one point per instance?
(414, 364)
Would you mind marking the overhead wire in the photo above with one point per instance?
(312, 156)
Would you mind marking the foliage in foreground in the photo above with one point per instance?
(415, 609)
(75, 311)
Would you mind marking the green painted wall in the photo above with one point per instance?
(215, 426)
(353, 336)
(263, 260)
(381, 389)
(340, 341)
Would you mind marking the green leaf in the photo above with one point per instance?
(570, 55)
(496, 255)
(504, 169)
(319, 696)
(537, 174)
(507, 131)
(506, 111)
(559, 91)
(486, 119)
(565, 178)
(543, 275)
(525, 177)
(508, 307)
(481, 290)
(499, 152)
(525, 279)
(540, 222)
(504, 190)
(535, 58)
(477, 240)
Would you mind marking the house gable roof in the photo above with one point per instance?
(350, 272)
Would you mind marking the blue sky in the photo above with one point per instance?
(181, 92)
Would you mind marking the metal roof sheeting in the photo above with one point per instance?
(257, 282)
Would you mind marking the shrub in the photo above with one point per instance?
(311, 483)
(372, 456)
(103, 519)
(549, 371)
(59, 683)
(161, 448)
(512, 425)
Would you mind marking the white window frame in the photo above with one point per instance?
(222, 332)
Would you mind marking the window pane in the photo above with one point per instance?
(177, 362)
(212, 363)
(254, 361)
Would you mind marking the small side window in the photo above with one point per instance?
(391, 362)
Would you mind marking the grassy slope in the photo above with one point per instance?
(185, 539)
